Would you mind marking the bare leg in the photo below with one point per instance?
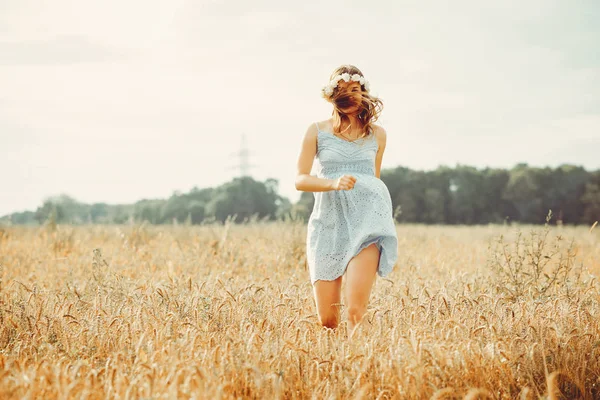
(327, 298)
(360, 276)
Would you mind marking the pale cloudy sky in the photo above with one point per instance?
(119, 100)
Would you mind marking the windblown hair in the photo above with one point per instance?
(370, 107)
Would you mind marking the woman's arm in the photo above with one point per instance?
(304, 181)
(381, 136)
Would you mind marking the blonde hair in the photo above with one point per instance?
(370, 106)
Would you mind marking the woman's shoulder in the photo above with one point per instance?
(380, 136)
(312, 130)
(324, 125)
(379, 131)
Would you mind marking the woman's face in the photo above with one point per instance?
(353, 90)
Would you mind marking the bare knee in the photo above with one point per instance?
(356, 312)
(329, 321)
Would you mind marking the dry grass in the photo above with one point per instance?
(227, 312)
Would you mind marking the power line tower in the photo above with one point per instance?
(243, 155)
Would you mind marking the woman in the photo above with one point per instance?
(351, 229)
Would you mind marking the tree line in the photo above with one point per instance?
(460, 195)
(467, 195)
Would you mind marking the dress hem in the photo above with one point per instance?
(378, 241)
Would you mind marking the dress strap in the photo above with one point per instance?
(317, 124)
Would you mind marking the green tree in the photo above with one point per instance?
(407, 190)
(563, 191)
(148, 210)
(99, 212)
(466, 188)
(524, 192)
(494, 207)
(196, 211)
(304, 206)
(242, 197)
(175, 209)
(591, 199)
(50, 209)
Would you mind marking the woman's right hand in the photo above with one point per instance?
(344, 182)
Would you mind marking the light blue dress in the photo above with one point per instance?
(344, 222)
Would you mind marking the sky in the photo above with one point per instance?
(121, 100)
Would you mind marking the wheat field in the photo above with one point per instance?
(225, 311)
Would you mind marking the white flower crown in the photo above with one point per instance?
(328, 89)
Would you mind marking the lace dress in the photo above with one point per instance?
(344, 222)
